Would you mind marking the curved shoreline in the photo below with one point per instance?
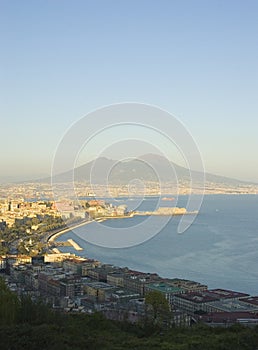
(51, 238)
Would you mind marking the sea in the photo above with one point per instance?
(219, 249)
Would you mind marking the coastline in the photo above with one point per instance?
(52, 237)
(211, 234)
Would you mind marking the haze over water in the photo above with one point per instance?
(220, 248)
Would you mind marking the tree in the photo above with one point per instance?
(8, 306)
(157, 307)
(35, 221)
(21, 248)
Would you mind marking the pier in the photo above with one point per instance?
(74, 244)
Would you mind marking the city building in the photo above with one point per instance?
(166, 289)
(194, 302)
(187, 285)
(226, 294)
(79, 266)
(136, 281)
(116, 279)
(226, 319)
(99, 291)
(232, 305)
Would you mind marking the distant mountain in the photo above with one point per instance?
(149, 167)
(146, 168)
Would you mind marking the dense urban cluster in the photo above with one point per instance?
(81, 285)
(44, 190)
(25, 225)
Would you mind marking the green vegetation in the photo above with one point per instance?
(29, 240)
(32, 325)
(158, 308)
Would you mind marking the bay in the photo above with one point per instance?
(219, 249)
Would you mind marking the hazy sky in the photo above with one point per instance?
(196, 59)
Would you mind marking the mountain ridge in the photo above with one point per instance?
(148, 167)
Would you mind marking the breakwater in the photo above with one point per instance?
(166, 211)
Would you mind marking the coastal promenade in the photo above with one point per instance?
(162, 211)
(52, 236)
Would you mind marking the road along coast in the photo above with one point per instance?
(167, 211)
(52, 237)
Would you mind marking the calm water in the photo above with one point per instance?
(219, 249)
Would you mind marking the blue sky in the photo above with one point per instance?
(196, 59)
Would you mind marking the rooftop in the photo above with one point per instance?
(198, 297)
(123, 293)
(226, 294)
(233, 306)
(251, 300)
(186, 283)
(164, 288)
(116, 274)
(99, 285)
(75, 260)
